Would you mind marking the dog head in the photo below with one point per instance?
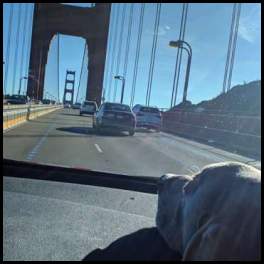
(208, 206)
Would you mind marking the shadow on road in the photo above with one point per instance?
(144, 244)
(90, 131)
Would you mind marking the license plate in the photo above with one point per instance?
(119, 117)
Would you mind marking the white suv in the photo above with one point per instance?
(148, 117)
(88, 107)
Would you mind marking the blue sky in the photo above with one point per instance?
(207, 31)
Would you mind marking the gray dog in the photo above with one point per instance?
(213, 215)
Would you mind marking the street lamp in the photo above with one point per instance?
(123, 86)
(179, 44)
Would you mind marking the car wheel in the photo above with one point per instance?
(131, 132)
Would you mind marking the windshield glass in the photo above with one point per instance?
(89, 104)
(191, 72)
(117, 107)
(149, 110)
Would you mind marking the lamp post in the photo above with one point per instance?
(179, 44)
(123, 86)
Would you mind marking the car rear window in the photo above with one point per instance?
(89, 104)
(149, 110)
(117, 107)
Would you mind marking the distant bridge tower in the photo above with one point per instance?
(69, 87)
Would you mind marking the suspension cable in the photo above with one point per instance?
(109, 47)
(30, 17)
(58, 66)
(180, 59)
(234, 46)
(23, 42)
(128, 39)
(137, 54)
(153, 55)
(229, 48)
(10, 22)
(81, 72)
(16, 48)
(113, 51)
(177, 58)
(120, 47)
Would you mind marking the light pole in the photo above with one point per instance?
(179, 44)
(123, 86)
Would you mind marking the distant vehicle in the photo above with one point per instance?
(76, 106)
(115, 116)
(66, 105)
(148, 117)
(16, 99)
(88, 107)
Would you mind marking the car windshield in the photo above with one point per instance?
(195, 65)
(117, 107)
(191, 72)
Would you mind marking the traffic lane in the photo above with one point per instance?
(71, 141)
(18, 142)
(148, 154)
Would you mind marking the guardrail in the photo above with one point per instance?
(240, 133)
(18, 114)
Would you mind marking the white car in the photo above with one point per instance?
(88, 107)
(148, 117)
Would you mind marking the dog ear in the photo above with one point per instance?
(210, 243)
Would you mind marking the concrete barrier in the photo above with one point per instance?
(18, 114)
(240, 133)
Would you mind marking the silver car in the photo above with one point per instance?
(148, 117)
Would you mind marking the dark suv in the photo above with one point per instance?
(115, 116)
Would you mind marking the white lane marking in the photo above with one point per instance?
(35, 150)
(98, 148)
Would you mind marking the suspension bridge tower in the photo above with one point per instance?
(69, 87)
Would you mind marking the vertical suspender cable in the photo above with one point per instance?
(30, 16)
(177, 59)
(180, 59)
(16, 48)
(58, 67)
(153, 55)
(128, 39)
(10, 22)
(137, 54)
(229, 48)
(23, 43)
(109, 47)
(120, 47)
(81, 72)
(234, 46)
(113, 51)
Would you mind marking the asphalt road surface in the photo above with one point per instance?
(65, 138)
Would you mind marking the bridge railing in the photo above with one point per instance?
(237, 132)
(17, 114)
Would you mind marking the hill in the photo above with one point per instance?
(243, 99)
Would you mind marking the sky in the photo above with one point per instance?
(207, 31)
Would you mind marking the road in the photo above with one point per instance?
(65, 138)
